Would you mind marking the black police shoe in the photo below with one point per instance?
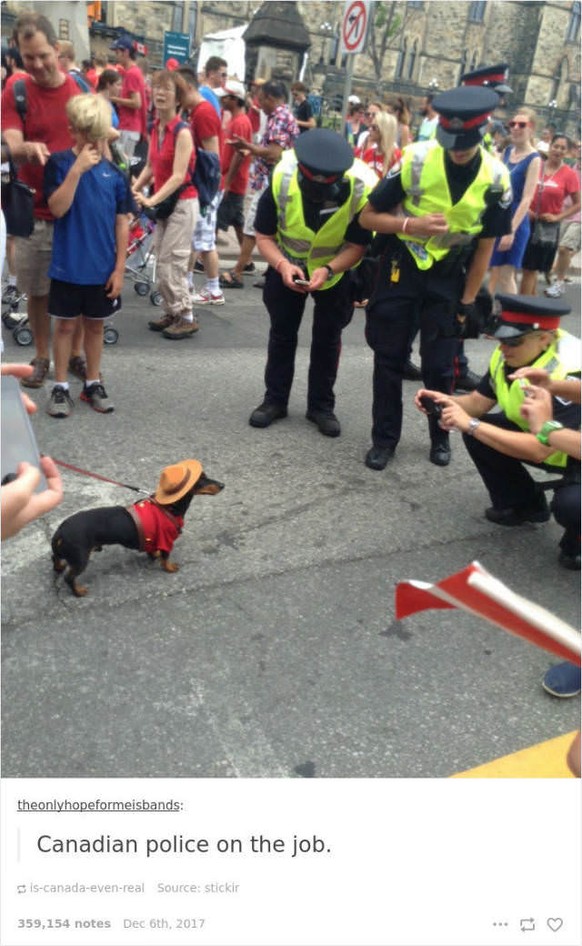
(411, 372)
(378, 457)
(467, 381)
(266, 413)
(440, 454)
(569, 561)
(326, 421)
(537, 511)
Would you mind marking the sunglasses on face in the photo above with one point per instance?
(518, 124)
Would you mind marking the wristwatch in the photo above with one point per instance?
(330, 272)
(473, 424)
(547, 428)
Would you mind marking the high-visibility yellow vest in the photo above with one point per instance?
(424, 179)
(297, 241)
(559, 360)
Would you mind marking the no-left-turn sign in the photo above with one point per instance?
(355, 26)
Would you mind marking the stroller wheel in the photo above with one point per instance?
(22, 335)
(141, 288)
(156, 297)
(110, 335)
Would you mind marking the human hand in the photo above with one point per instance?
(20, 504)
(114, 284)
(36, 152)
(536, 408)
(427, 225)
(22, 371)
(88, 157)
(288, 273)
(537, 376)
(549, 218)
(318, 278)
(506, 242)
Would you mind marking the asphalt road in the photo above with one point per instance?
(274, 650)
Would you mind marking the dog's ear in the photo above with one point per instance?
(207, 487)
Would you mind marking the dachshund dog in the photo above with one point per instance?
(151, 525)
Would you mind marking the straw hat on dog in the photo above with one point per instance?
(177, 480)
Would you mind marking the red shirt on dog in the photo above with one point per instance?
(160, 527)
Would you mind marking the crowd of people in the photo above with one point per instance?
(428, 218)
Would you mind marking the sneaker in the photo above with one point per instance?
(41, 367)
(199, 266)
(10, 295)
(562, 680)
(60, 403)
(205, 297)
(158, 325)
(181, 329)
(556, 290)
(96, 397)
(78, 367)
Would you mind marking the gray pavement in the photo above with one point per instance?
(274, 650)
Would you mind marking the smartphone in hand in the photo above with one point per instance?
(18, 440)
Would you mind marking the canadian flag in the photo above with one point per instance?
(477, 591)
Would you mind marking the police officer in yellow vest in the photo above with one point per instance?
(500, 443)
(307, 230)
(491, 77)
(442, 208)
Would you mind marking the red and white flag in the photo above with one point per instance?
(477, 591)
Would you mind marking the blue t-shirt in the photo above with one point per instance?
(84, 250)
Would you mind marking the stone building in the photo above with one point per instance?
(429, 44)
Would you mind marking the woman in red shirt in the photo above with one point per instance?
(381, 151)
(170, 163)
(557, 181)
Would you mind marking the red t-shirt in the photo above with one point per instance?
(45, 121)
(205, 124)
(133, 119)
(240, 126)
(552, 191)
(160, 532)
(161, 157)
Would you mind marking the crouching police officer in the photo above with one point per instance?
(307, 230)
(455, 200)
(499, 444)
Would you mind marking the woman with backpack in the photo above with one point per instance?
(173, 204)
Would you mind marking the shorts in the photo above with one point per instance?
(204, 236)
(249, 224)
(67, 300)
(570, 235)
(33, 258)
(231, 212)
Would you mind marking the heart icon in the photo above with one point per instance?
(555, 922)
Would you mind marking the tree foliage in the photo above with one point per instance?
(386, 25)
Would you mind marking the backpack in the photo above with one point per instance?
(206, 174)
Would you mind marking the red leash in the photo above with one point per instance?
(97, 476)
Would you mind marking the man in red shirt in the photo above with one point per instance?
(32, 137)
(132, 103)
(234, 164)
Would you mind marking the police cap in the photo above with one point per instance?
(494, 77)
(463, 115)
(521, 315)
(323, 153)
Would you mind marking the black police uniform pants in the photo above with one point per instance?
(511, 486)
(333, 310)
(431, 297)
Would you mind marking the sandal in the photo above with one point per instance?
(230, 280)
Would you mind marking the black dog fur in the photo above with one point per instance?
(90, 530)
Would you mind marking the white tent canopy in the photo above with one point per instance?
(228, 44)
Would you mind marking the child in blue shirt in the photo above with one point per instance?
(90, 199)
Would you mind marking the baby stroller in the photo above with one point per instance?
(141, 262)
(13, 319)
